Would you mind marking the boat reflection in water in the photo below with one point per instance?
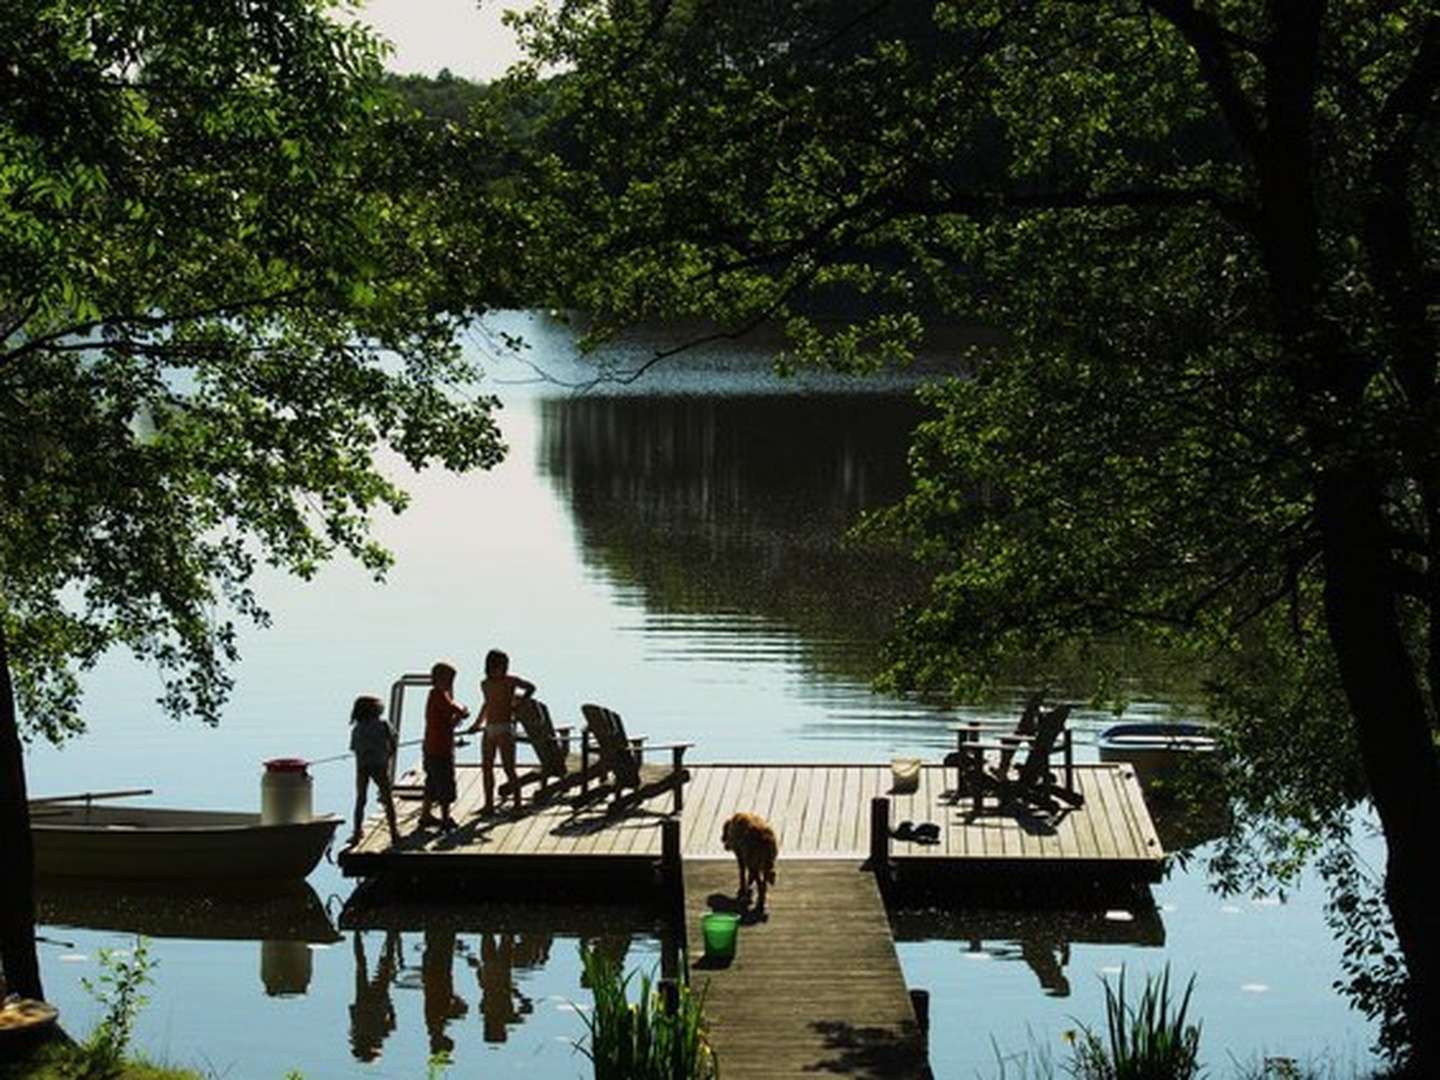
(1041, 940)
(498, 942)
(287, 919)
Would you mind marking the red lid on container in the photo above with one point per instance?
(286, 764)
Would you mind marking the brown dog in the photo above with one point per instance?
(755, 848)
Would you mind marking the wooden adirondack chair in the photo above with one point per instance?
(552, 750)
(974, 731)
(620, 756)
(1033, 782)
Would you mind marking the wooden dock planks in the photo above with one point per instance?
(819, 811)
(816, 988)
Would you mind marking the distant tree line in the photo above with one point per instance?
(441, 98)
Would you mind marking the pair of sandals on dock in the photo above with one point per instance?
(927, 832)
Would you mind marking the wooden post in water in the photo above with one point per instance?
(672, 884)
(880, 840)
(920, 1002)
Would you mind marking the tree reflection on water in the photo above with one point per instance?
(714, 505)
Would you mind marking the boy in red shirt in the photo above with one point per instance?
(442, 713)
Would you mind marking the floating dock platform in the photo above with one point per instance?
(817, 811)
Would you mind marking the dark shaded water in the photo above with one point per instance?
(671, 549)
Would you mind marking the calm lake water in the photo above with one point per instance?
(670, 548)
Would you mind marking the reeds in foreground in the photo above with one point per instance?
(643, 1039)
(1151, 1041)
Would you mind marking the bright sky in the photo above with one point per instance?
(464, 35)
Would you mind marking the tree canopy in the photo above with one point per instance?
(1211, 232)
(225, 291)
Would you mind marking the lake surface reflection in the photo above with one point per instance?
(721, 521)
(672, 549)
(1042, 941)
(261, 984)
(499, 949)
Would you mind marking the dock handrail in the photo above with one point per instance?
(397, 705)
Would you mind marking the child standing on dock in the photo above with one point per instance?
(497, 717)
(442, 713)
(373, 744)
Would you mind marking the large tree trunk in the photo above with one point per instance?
(17, 849)
(1362, 602)
(1380, 680)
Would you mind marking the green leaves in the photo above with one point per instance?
(1134, 458)
(642, 1040)
(225, 288)
(1149, 1040)
(120, 989)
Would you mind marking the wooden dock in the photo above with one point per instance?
(818, 812)
(816, 988)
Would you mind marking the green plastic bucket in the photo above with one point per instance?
(720, 929)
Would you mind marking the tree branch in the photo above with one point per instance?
(981, 203)
(48, 341)
(1212, 42)
(1390, 229)
(26, 311)
(732, 334)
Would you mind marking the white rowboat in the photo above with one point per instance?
(80, 839)
(1155, 749)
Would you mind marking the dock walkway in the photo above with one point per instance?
(814, 989)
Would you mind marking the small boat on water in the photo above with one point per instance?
(74, 837)
(1155, 749)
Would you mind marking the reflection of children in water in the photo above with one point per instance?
(441, 1004)
(372, 1016)
(499, 956)
(532, 950)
